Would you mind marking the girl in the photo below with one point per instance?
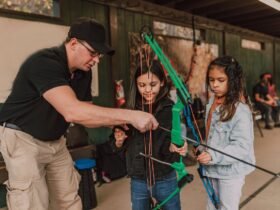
(149, 179)
(272, 90)
(229, 127)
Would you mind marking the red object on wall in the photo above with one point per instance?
(120, 100)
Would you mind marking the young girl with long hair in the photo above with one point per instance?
(151, 181)
(229, 127)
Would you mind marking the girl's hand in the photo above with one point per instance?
(180, 150)
(204, 158)
(120, 137)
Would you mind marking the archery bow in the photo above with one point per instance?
(205, 180)
(183, 102)
(226, 154)
(183, 176)
(194, 142)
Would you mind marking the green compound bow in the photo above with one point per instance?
(183, 101)
(184, 97)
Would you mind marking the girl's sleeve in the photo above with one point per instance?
(240, 140)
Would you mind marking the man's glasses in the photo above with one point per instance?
(92, 52)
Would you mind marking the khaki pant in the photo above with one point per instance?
(41, 174)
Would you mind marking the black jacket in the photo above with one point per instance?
(134, 144)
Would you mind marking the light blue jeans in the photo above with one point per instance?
(140, 196)
(229, 192)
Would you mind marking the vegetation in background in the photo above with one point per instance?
(42, 7)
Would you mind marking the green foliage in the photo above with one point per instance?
(42, 7)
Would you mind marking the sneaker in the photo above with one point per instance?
(269, 127)
(106, 179)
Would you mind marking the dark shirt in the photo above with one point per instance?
(137, 166)
(26, 106)
(261, 90)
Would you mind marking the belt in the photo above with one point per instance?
(10, 125)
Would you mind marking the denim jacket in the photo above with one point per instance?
(234, 137)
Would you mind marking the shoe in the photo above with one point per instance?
(277, 125)
(269, 127)
(106, 179)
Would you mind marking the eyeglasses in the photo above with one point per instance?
(92, 52)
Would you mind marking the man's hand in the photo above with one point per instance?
(143, 121)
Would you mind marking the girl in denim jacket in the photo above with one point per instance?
(229, 127)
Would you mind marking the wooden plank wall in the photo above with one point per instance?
(127, 21)
(253, 62)
(119, 22)
(215, 37)
(70, 10)
(73, 9)
(277, 66)
(123, 21)
(118, 67)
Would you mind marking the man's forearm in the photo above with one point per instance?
(92, 116)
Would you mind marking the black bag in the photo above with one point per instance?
(198, 108)
(76, 136)
(113, 164)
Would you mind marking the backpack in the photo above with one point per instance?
(113, 164)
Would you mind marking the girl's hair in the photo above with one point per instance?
(236, 86)
(135, 99)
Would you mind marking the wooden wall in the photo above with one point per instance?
(120, 21)
(277, 65)
(253, 62)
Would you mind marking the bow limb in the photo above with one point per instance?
(205, 180)
(226, 154)
(182, 179)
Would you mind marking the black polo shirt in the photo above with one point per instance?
(26, 107)
(261, 90)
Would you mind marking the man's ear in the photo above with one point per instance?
(73, 43)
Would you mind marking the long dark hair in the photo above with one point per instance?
(135, 99)
(236, 86)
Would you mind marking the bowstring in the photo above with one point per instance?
(196, 126)
(150, 175)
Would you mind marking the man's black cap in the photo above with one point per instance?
(92, 32)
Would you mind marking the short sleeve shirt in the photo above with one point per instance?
(261, 90)
(27, 108)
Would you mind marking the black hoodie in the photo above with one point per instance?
(134, 144)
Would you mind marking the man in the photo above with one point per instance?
(265, 103)
(52, 89)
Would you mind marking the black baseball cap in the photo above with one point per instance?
(91, 31)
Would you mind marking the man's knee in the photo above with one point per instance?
(19, 195)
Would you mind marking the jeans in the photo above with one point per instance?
(140, 196)
(269, 112)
